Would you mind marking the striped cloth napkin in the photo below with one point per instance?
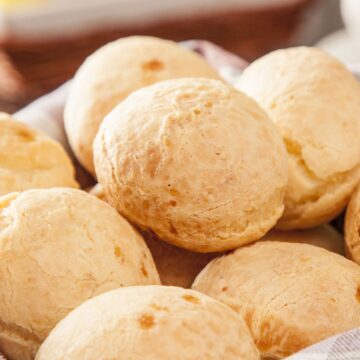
(46, 114)
(340, 347)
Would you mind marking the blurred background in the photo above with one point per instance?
(42, 42)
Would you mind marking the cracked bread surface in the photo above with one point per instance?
(314, 101)
(195, 161)
(29, 159)
(290, 295)
(114, 71)
(150, 323)
(58, 248)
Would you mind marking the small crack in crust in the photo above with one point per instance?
(301, 206)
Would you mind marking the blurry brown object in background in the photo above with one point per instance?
(36, 67)
(12, 85)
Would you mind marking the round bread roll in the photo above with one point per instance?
(112, 73)
(176, 266)
(291, 295)
(30, 159)
(195, 161)
(58, 248)
(315, 103)
(352, 227)
(150, 323)
(324, 236)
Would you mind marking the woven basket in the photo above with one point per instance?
(30, 69)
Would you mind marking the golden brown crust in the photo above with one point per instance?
(30, 159)
(314, 100)
(58, 248)
(195, 161)
(291, 295)
(113, 72)
(153, 323)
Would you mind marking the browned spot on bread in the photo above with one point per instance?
(146, 321)
(225, 288)
(191, 298)
(358, 294)
(185, 96)
(117, 251)
(197, 111)
(173, 192)
(25, 135)
(173, 203)
(264, 343)
(159, 307)
(144, 271)
(166, 141)
(248, 316)
(153, 65)
(304, 258)
(208, 104)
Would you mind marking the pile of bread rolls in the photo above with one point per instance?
(228, 191)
